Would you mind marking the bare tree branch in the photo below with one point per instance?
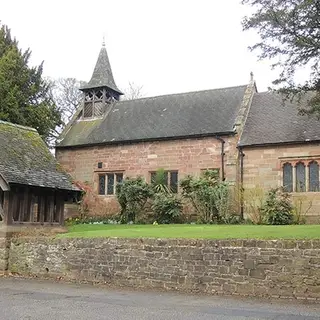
(133, 91)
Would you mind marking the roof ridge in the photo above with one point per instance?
(18, 126)
(182, 93)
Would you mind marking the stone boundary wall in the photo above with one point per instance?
(281, 269)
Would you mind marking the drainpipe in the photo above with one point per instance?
(241, 183)
(222, 156)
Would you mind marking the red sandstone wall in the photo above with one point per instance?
(263, 170)
(188, 156)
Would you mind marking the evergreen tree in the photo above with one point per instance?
(24, 95)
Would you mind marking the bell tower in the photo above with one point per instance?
(101, 90)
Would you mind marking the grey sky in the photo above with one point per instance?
(167, 46)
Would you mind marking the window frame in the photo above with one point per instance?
(115, 174)
(290, 187)
(308, 167)
(300, 173)
(169, 179)
(314, 162)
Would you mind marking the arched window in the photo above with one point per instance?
(313, 176)
(287, 177)
(300, 177)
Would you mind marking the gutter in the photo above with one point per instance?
(124, 142)
(222, 156)
(242, 155)
(272, 144)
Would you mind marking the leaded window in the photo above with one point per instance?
(102, 184)
(300, 177)
(287, 177)
(108, 182)
(313, 176)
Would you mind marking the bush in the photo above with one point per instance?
(132, 195)
(301, 207)
(167, 208)
(254, 200)
(90, 204)
(159, 182)
(278, 209)
(209, 196)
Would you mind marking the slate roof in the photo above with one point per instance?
(273, 120)
(102, 75)
(210, 112)
(25, 159)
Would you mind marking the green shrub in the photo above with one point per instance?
(132, 195)
(209, 196)
(159, 182)
(166, 207)
(301, 206)
(277, 209)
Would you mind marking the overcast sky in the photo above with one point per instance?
(166, 46)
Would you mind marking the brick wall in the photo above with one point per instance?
(263, 169)
(188, 156)
(285, 269)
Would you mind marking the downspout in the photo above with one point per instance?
(241, 183)
(222, 156)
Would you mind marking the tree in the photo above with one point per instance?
(67, 96)
(24, 95)
(133, 91)
(290, 36)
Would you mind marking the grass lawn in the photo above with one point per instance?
(195, 231)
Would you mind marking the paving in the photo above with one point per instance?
(38, 300)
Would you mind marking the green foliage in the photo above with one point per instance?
(132, 195)
(289, 35)
(278, 209)
(209, 196)
(301, 207)
(24, 95)
(166, 207)
(92, 220)
(160, 182)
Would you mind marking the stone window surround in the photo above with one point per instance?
(294, 162)
(105, 173)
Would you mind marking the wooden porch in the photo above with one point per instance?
(29, 205)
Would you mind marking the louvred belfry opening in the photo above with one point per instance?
(101, 90)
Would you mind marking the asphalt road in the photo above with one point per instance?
(44, 300)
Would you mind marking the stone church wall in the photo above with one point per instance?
(263, 170)
(187, 156)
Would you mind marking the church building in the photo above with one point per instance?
(255, 140)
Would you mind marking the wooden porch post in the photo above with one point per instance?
(50, 207)
(7, 208)
(59, 214)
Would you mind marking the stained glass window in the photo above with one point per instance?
(313, 176)
(301, 177)
(102, 184)
(287, 177)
